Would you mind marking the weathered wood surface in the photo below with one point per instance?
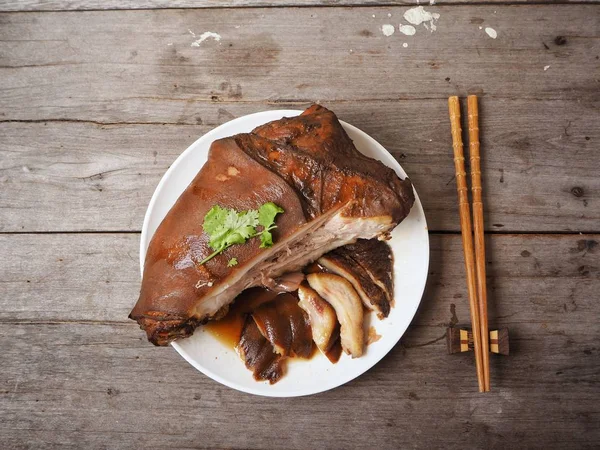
(99, 386)
(538, 279)
(118, 66)
(78, 5)
(76, 373)
(540, 171)
(59, 74)
(95, 105)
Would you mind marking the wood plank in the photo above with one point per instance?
(78, 277)
(88, 385)
(83, 5)
(540, 167)
(82, 386)
(534, 279)
(92, 67)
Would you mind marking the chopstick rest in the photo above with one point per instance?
(460, 340)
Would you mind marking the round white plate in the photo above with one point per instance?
(410, 244)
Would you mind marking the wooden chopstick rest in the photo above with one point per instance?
(460, 339)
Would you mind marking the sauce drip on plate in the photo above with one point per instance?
(228, 330)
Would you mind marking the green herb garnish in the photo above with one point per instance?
(266, 218)
(227, 227)
(232, 262)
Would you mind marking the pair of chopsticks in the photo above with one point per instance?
(474, 264)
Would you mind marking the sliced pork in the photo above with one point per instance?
(373, 297)
(258, 354)
(377, 259)
(288, 282)
(285, 325)
(323, 321)
(340, 294)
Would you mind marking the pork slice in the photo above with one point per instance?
(302, 343)
(275, 328)
(258, 354)
(340, 263)
(375, 257)
(283, 323)
(323, 321)
(340, 294)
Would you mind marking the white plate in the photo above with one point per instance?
(410, 244)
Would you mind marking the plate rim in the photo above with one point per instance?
(209, 373)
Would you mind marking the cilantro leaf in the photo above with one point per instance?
(266, 218)
(226, 227)
(267, 213)
(234, 228)
(241, 224)
(266, 239)
(214, 219)
(232, 262)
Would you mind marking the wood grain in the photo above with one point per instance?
(539, 167)
(81, 386)
(68, 380)
(93, 67)
(82, 5)
(532, 279)
(95, 105)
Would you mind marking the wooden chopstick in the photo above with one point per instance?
(478, 231)
(466, 231)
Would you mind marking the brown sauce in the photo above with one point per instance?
(334, 352)
(228, 330)
(314, 268)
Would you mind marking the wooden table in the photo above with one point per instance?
(97, 98)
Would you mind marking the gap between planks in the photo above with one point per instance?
(346, 4)
(302, 102)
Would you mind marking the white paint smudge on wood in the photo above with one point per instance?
(491, 32)
(546, 68)
(387, 29)
(204, 36)
(418, 16)
(405, 45)
(408, 30)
